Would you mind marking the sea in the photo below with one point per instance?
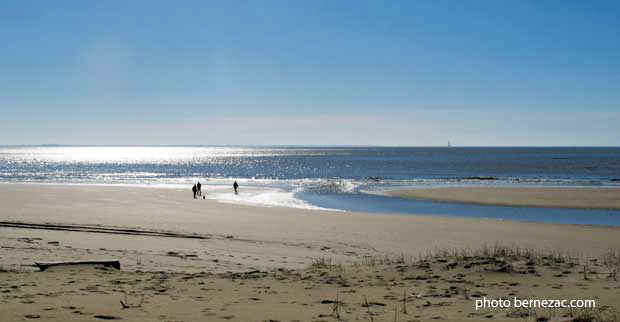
(331, 178)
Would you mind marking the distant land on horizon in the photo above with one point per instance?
(306, 145)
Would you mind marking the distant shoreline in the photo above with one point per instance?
(546, 197)
(306, 146)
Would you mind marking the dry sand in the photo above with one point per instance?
(255, 263)
(442, 289)
(590, 198)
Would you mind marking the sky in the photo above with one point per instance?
(397, 73)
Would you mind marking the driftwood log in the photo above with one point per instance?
(45, 265)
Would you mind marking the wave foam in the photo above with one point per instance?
(265, 198)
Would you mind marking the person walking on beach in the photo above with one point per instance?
(236, 186)
(198, 187)
(194, 189)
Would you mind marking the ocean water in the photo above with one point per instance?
(339, 178)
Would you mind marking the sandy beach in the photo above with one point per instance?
(585, 198)
(204, 260)
(309, 161)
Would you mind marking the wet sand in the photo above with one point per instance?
(185, 259)
(297, 234)
(584, 198)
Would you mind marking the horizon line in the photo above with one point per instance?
(309, 145)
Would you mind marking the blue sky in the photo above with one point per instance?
(310, 72)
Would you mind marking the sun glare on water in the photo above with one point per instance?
(122, 155)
